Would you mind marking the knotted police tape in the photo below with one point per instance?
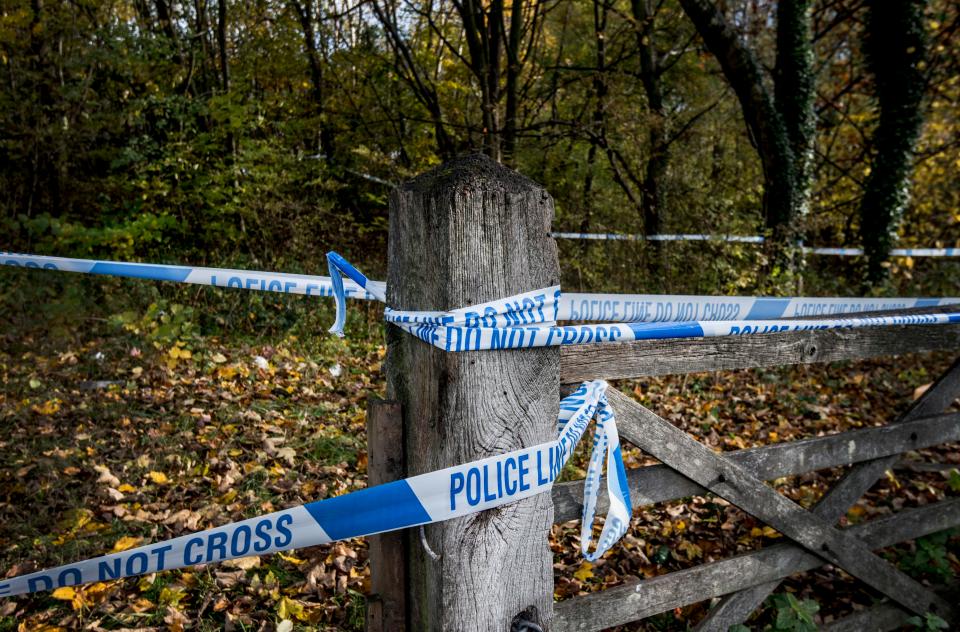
(529, 320)
(522, 321)
(570, 306)
(453, 492)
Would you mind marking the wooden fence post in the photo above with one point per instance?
(386, 605)
(468, 232)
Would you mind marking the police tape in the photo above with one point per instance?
(757, 239)
(596, 307)
(433, 497)
(628, 308)
(528, 320)
(896, 252)
(282, 282)
(749, 239)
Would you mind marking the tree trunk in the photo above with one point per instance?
(305, 15)
(231, 141)
(654, 191)
(410, 72)
(482, 30)
(165, 16)
(222, 45)
(781, 128)
(514, 66)
(468, 232)
(895, 45)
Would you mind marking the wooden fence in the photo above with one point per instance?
(473, 231)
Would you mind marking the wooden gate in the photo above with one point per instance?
(473, 231)
(690, 468)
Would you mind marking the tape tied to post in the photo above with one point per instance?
(428, 498)
(571, 306)
(529, 320)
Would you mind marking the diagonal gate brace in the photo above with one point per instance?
(732, 482)
(736, 607)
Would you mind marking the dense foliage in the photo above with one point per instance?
(264, 132)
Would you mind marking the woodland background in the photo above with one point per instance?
(262, 133)
(265, 132)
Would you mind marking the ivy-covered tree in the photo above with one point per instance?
(780, 122)
(895, 44)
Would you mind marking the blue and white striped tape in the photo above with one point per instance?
(757, 239)
(653, 308)
(611, 308)
(748, 239)
(217, 277)
(433, 497)
(530, 320)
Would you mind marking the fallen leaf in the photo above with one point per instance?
(292, 559)
(124, 543)
(585, 572)
(244, 563)
(106, 476)
(64, 593)
(290, 609)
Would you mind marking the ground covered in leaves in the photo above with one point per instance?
(133, 430)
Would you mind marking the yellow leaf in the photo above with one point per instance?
(244, 563)
(171, 596)
(290, 609)
(124, 543)
(680, 525)
(692, 550)
(585, 572)
(159, 478)
(291, 559)
(756, 532)
(48, 408)
(126, 488)
(66, 593)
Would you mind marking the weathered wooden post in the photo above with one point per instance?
(386, 605)
(468, 232)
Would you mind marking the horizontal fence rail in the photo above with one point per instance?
(689, 469)
(735, 476)
(629, 602)
(641, 358)
(658, 483)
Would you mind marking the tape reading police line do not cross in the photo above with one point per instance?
(434, 497)
(529, 320)
(606, 308)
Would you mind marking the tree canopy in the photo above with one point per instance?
(270, 131)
